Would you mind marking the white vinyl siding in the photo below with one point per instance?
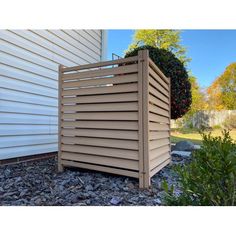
(29, 62)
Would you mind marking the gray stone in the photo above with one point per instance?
(26, 184)
(18, 179)
(184, 146)
(89, 187)
(158, 201)
(23, 192)
(176, 158)
(115, 200)
(38, 201)
(180, 154)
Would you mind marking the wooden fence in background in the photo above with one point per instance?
(114, 117)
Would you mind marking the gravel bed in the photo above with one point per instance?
(37, 183)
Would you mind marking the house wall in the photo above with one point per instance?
(29, 62)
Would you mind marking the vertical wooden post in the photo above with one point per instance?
(145, 82)
(140, 118)
(169, 114)
(60, 166)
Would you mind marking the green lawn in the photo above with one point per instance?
(195, 137)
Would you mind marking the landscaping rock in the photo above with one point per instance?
(37, 183)
(115, 200)
(180, 155)
(89, 187)
(184, 146)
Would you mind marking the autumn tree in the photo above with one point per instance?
(199, 102)
(222, 92)
(215, 97)
(164, 39)
(198, 98)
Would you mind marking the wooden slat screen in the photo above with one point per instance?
(159, 119)
(114, 117)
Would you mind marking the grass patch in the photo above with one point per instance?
(195, 137)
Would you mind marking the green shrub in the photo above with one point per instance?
(216, 127)
(210, 178)
(230, 122)
(174, 69)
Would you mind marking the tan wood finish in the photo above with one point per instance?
(158, 78)
(157, 94)
(140, 120)
(158, 86)
(157, 110)
(159, 160)
(126, 97)
(60, 166)
(158, 102)
(101, 168)
(101, 160)
(158, 134)
(159, 143)
(122, 88)
(100, 64)
(114, 117)
(154, 153)
(158, 118)
(153, 126)
(102, 142)
(128, 106)
(146, 118)
(121, 125)
(119, 134)
(101, 116)
(159, 167)
(122, 79)
(101, 151)
(102, 72)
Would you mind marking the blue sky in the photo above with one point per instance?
(211, 50)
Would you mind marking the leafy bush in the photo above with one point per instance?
(173, 68)
(210, 178)
(230, 122)
(216, 127)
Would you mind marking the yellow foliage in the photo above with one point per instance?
(222, 92)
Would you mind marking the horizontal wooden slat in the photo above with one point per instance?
(158, 78)
(130, 106)
(159, 87)
(157, 110)
(101, 151)
(102, 81)
(122, 88)
(158, 127)
(102, 116)
(126, 97)
(159, 151)
(102, 142)
(157, 71)
(160, 159)
(116, 134)
(101, 168)
(100, 64)
(157, 118)
(158, 143)
(123, 125)
(159, 95)
(101, 160)
(158, 168)
(158, 102)
(102, 72)
(158, 135)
